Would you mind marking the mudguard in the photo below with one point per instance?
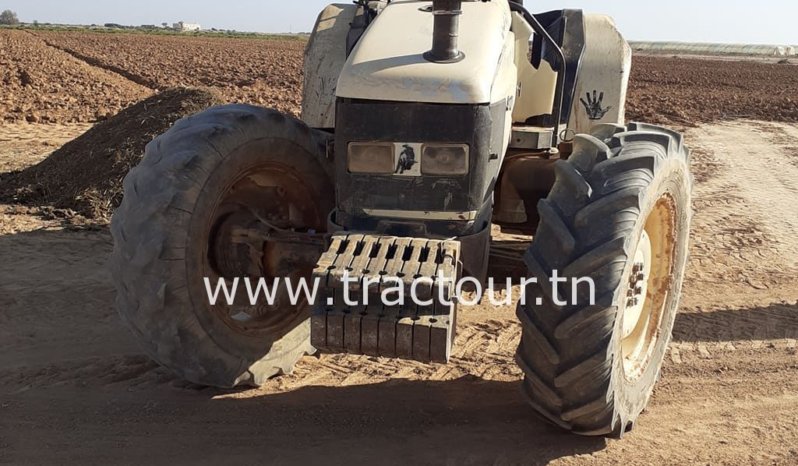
(325, 56)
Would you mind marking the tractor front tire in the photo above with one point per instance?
(619, 215)
(189, 212)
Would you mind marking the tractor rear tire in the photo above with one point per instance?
(211, 176)
(619, 214)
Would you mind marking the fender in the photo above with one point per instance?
(600, 95)
(325, 55)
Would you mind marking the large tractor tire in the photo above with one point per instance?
(619, 214)
(206, 202)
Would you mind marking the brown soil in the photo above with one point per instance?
(258, 72)
(42, 84)
(86, 174)
(690, 91)
(679, 91)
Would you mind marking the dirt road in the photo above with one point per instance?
(75, 388)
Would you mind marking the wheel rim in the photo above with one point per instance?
(258, 203)
(648, 287)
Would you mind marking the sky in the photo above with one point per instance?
(731, 21)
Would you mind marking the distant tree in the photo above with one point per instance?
(35, 23)
(9, 18)
(165, 25)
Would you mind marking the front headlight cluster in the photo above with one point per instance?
(371, 158)
(380, 158)
(444, 159)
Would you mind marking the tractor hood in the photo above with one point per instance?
(388, 62)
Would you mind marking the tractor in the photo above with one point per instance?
(425, 126)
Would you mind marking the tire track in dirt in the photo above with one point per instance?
(746, 217)
(761, 174)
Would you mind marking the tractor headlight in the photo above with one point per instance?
(444, 159)
(371, 157)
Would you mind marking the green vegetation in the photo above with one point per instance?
(9, 18)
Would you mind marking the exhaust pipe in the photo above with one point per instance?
(446, 30)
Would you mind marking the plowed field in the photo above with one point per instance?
(690, 91)
(43, 85)
(260, 72)
(98, 74)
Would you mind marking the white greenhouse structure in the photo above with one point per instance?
(715, 49)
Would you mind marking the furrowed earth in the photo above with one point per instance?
(76, 110)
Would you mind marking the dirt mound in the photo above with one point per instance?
(42, 84)
(690, 91)
(86, 174)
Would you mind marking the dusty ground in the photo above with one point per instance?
(75, 388)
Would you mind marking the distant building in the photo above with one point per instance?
(186, 27)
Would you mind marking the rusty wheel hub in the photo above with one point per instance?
(648, 286)
(266, 226)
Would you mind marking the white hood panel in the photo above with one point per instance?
(388, 62)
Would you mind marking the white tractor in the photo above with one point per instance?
(424, 123)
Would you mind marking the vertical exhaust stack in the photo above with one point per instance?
(446, 30)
